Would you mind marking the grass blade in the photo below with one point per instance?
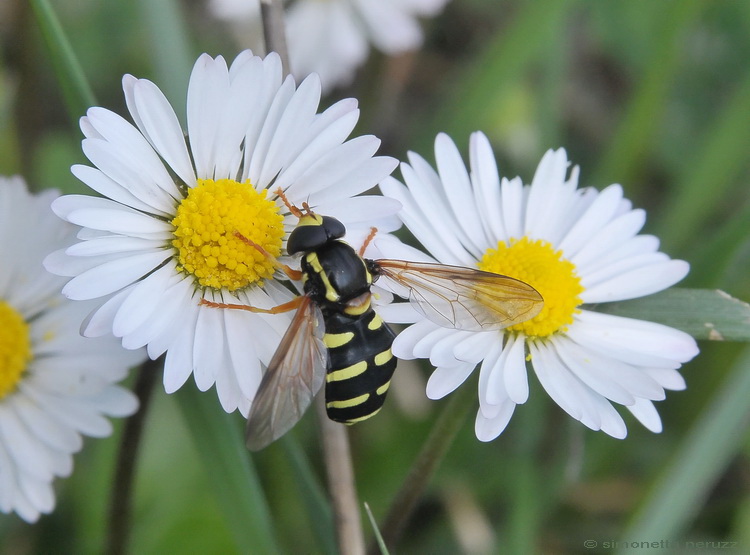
(378, 536)
(75, 87)
(632, 140)
(706, 182)
(704, 454)
(312, 495)
(221, 445)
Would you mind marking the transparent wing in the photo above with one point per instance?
(461, 298)
(295, 374)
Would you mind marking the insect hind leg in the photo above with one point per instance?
(278, 309)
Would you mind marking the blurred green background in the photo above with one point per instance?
(651, 94)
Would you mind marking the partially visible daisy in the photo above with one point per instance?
(170, 230)
(332, 37)
(576, 247)
(55, 385)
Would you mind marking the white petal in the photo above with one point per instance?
(632, 341)
(178, 364)
(445, 380)
(485, 180)
(208, 90)
(458, 189)
(638, 283)
(487, 429)
(512, 207)
(113, 276)
(208, 348)
(442, 353)
(142, 301)
(406, 341)
(611, 236)
(647, 415)
(544, 207)
(159, 124)
(474, 346)
(588, 225)
(491, 390)
(515, 377)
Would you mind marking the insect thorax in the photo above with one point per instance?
(334, 275)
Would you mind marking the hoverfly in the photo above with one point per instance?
(336, 336)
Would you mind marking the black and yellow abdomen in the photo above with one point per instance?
(360, 362)
(360, 365)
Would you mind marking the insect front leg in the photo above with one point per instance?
(368, 240)
(291, 273)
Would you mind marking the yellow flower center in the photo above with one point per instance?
(210, 225)
(541, 266)
(15, 348)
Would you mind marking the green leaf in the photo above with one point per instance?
(220, 442)
(699, 462)
(75, 87)
(703, 313)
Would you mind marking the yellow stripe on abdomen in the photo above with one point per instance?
(375, 323)
(348, 402)
(347, 373)
(361, 418)
(383, 358)
(383, 388)
(334, 340)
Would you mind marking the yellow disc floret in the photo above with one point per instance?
(541, 266)
(15, 348)
(212, 224)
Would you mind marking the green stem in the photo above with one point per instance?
(122, 490)
(433, 451)
(272, 15)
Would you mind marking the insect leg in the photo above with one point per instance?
(293, 274)
(278, 309)
(368, 240)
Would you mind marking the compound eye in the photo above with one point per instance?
(306, 238)
(334, 229)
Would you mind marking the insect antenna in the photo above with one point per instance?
(293, 209)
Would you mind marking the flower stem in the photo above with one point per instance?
(431, 454)
(122, 489)
(272, 14)
(338, 461)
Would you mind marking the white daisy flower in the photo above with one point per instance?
(332, 37)
(576, 247)
(177, 211)
(55, 385)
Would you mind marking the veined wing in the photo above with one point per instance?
(462, 298)
(295, 374)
